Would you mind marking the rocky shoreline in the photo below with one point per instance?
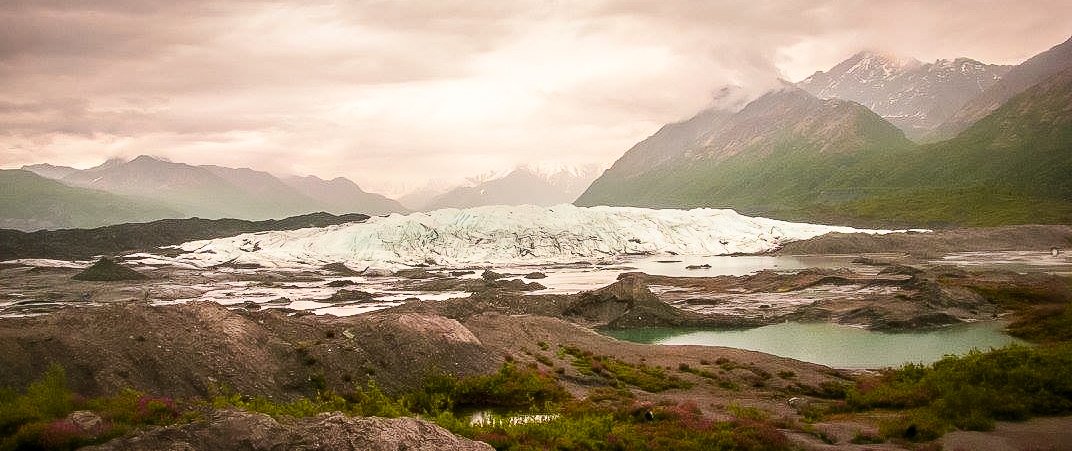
(200, 349)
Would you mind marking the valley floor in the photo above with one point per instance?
(259, 338)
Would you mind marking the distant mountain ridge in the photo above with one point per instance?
(521, 186)
(1021, 77)
(914, 96)
(49, 171)
(192, 190)
(217, 192)
(780, 150)
(341, 195)
(31, 202)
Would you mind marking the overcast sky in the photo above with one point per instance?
(391, 94)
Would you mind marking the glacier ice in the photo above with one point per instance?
(507, 235)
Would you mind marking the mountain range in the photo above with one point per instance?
(914, 96)
(875, 140)
(148, 188)
(1029, 73)
(784, 148)
(31, 202)
(794, 155)
(521, 186)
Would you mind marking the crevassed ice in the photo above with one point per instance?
(508, 234)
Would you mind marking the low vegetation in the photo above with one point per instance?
(531, 410)
(616, 372)
(1042, 312)
(615, 421)
(45, 415)
(608, 418)
(971, 391)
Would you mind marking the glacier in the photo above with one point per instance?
(506, 235)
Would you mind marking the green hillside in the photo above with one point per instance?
(30, 202)
(800, 150)
(1014, 166)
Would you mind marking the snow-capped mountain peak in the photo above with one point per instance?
(868, 66)
(914, 96)
(535, 184)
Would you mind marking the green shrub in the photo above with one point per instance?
(510, 387)
(864, 438)
(972, 391)
(597, 426)
(363, 401)
(918, 425)
(36, 418)
(302, 407)
(544, 360)
(371, 401)
(648, 378)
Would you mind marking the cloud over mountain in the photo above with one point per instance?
(381, 91)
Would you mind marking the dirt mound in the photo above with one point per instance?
(340, 269)
(345, 295)
(107, 270)
(446, 328)
(938, 243)
(238, 430)
(628, 303)
(199, 348)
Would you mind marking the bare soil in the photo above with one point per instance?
(937, 243)
(239, 430)
(117, 340)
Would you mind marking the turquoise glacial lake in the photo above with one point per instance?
(835, 345)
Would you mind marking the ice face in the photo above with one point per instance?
(507, 235)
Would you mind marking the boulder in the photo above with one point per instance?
(86, 421)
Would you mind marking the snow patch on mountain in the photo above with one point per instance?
(507, 235)
(914, 96)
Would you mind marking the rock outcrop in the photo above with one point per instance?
(194, 349)
(628, 303)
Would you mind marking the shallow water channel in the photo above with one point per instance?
(835, 345)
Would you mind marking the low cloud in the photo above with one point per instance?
(394, 93)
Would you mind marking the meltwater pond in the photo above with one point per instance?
(835, 345)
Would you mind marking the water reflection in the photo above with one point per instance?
(835, 345)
